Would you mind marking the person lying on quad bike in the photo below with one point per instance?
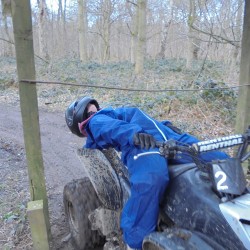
(131, 131)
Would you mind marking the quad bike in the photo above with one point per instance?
(206, 205)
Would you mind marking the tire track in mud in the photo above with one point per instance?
(61, 163)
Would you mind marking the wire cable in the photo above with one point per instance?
(128, 89)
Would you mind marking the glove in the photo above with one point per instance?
(144, 140)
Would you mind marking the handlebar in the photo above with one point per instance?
(170, 148)
(219, 143)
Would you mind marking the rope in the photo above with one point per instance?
(129, 89)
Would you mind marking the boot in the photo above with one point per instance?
(129, 248)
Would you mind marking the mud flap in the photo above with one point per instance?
(102, 176)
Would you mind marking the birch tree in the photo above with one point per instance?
(141, 43)
(238, 29)
(61, 29)
(83, 29)
(6, 36)
(133, 29)
(106, 26)
(42, 29)
(193, 42)
(166, 24)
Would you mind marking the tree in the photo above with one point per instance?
(83, 29)
(101, 16)
(106, 26)
(113, 29)
(42, 30)
(193, 42)
(133, 29)
(141, 43)
(166, 24)
(6, 35)
(238, 28)
(61, 25)
(216, 23)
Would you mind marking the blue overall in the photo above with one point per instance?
(148, 175)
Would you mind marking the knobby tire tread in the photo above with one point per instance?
(81, 194)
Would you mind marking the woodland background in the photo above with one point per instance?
(153, 44)
(117, 31)
(178, 60)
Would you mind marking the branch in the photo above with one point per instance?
(12, 43)
(217, 37)
(130, 31)
(132, 3)
(7, 41)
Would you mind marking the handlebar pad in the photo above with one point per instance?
(219, 143)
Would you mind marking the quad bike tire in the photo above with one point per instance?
(80, 199)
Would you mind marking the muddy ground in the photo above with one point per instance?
(61, 166)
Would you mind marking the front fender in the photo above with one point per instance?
(102, 176)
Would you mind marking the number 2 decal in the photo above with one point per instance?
(222, 175)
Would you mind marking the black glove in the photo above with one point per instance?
(144, 140)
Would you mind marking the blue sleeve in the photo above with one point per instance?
(107, 131)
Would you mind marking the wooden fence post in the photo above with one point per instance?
(243, 107)
(22, 26)
(38, 225)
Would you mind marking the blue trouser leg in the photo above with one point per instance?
(148, 179)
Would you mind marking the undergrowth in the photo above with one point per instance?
(206, 112)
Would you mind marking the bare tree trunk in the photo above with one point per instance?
(42, 30)
(141, 45)
(64, 31)
(9, 45)
(64, 12)
(106, 23)
(58, 38)
(133, 31)
(193, 42)
(238, 23)
(165, 27)
(119, 53)
(166, 24)
(60, 12)
(82, 27)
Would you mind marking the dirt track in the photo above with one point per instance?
(60, 163)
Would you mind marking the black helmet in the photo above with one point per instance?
(77, 113)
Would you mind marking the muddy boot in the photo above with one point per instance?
(111, 246)
(129, 248)
(115, 243)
